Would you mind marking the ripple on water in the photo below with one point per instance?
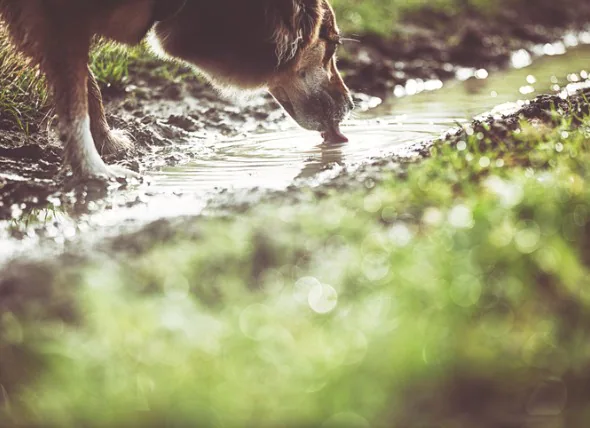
(274, 161)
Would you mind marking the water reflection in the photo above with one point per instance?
(274, 161)
(329, 156)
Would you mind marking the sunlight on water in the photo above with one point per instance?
(274, 161)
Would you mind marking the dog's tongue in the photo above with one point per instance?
(334, 135)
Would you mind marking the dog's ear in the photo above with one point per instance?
(165, 9)
(295, 23)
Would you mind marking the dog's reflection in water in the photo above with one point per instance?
(326, 157)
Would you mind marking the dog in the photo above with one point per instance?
(287, 47)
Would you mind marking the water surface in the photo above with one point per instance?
(275, 160)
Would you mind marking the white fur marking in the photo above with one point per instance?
(89, 155)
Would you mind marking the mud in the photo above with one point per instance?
(571, 102)
(160, 117)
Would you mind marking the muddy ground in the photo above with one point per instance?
(159, 113)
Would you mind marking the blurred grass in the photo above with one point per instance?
(459, 287)
(386, 16)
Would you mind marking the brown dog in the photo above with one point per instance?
(286, 46)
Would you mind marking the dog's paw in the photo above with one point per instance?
(119, 173)
(100, 172)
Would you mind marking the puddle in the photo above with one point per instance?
(274, 161)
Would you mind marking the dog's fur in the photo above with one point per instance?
(286, 46)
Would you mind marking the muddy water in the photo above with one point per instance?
(274, 161)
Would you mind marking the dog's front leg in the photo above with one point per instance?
(106, 140)
(65, 62)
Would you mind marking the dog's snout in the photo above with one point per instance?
(342, 98)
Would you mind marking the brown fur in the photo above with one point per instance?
(285, 46)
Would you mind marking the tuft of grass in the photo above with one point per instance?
(110, 63)
(23, 92)
(456, 288)
(24, 95)
(113, 63)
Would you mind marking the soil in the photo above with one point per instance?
(159, 113)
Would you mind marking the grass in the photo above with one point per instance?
(385, 16)
(456, 288)
(23, 94)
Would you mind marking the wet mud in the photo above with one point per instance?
(160, 116)
(545, 110)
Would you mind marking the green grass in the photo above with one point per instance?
(110, 63)
(23, 94)
(457, 287)
(386, 16)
